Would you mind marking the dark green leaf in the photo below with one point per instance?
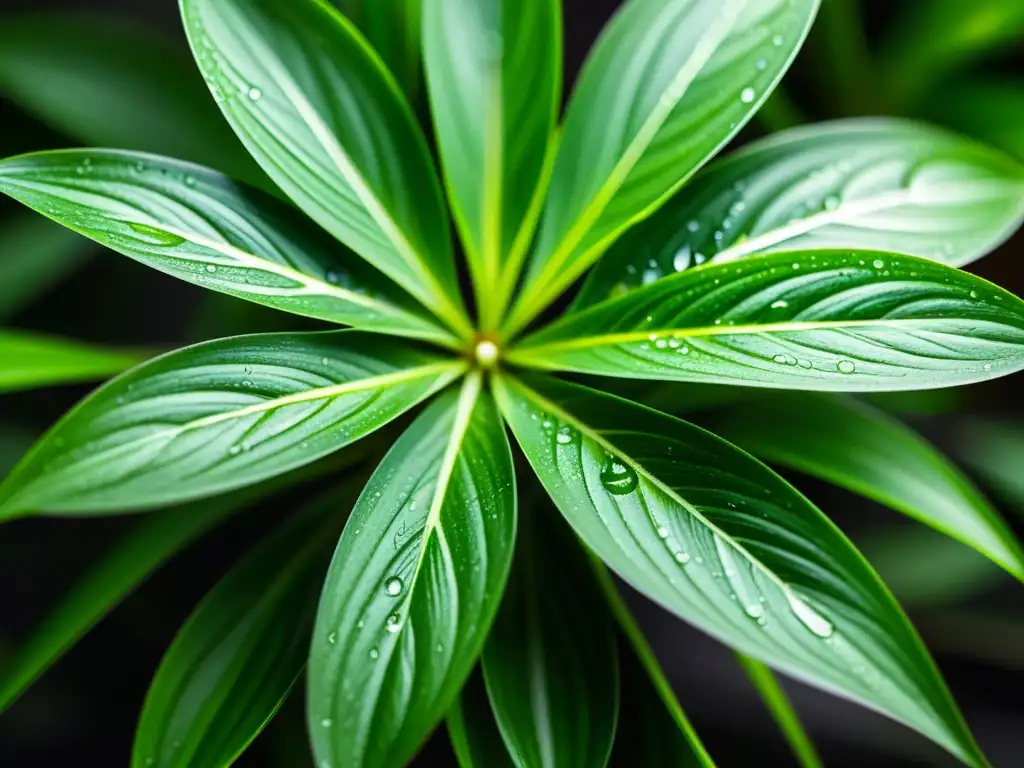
(220, 415)
(994, 450)
(106, 81)
(495, 74)
(35, 255)
(31, 360)
(200, 226)
(869, 453)
(872, 184)
(668, 83)
(474, 731)
(415, 582)
(236, 658)
(550, 662)
(988, 108)
(393, 28)
(716, 537)
(828, 320)
(318, 111)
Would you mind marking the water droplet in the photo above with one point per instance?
(754, 610)
(878, 264)
(617, 478)
(332, 639)
(809, 617)
(847, 366)
(394, 623)
(682, 558)
(156, 236)
(683, 259)
(777, 40)
(780, 359)
(780, 304)
(374, 653)
(325, 361)
(190, 181)
(747, 95)
(394, 586)
(662, 532)
(831, 203)
(974, 294)
(326, 722)
(255, 94)
(683, 350)
(762, 64)
(805, 364)
(439, 648)
(565, 435)
(650, 275)
(211, 268)
(988, 366)
(661, 343)
(693, 226)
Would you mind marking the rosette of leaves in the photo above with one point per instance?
(825, 260)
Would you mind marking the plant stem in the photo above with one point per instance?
(782, 711)
(647, 658)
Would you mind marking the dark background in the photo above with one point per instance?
(85, 708)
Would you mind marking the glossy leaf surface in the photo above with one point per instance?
(874, 184)
(668, 84)
(720, 540)
(414, 585)
(551, 662)
(474, 731)
(200, 226)
(393, 29)
(107, 81)
(30, 360)
(236, 658)
(217, 416)
(831, 320)
(317, 109)
(494, 69)
(870, 453)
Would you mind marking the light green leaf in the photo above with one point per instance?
(667, 85)
(551, 663)
(415, 582)
(234, 661)
(989, 108)
(393, 28)
(107, 81)
(720, 540)
(828, 320)
(323, 117)
(220, 415)
(35, 255)
(857, 447)
(873, 184)
(31, 360)
(202, 227)
(495, 74)
(474, 731)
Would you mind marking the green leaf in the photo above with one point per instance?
(107, 81)
(828, 320)
(495, 74)
(872, 184)
(550, 662)
(865, 451)
(234, 661)
(668, 84)
(993, 450)
(323, 117)
(724, 543)
(202, 227)
(36, 255)
(31, 360)
(988, 108)
(474, 731)
(415, 582)
(393, 28)
(220, 415)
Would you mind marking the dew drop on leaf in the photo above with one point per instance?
(374, 654)
(394, 623)
(393, 586)
(156, 236)
(617, 478)
(747, 95)
(847, 366)
(255, 94)
(809, 617)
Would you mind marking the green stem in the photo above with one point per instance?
(782, 711)
(647, 658)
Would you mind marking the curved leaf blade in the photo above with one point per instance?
(393, 28)
(106, 81)
(235, 660)
(31, 360)
(869, 453)
(473, 730)
(667, 85)
(720, 540)
(323, 117)
(551, 662)
(414, 585)
(868, 184)
(201, 227)
(217, 416)
(830, 320)
(494, 68)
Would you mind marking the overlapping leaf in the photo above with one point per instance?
(31, 360)
(473, 730)
(393, 28)
(326, 121)
(415, 583)
(831, 320)
(864, 450)
(872, 184)
(200, 226)
(668, 83)
(720, 540)
(220, 415)
(494, 69)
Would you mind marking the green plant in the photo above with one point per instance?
(822, 259)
